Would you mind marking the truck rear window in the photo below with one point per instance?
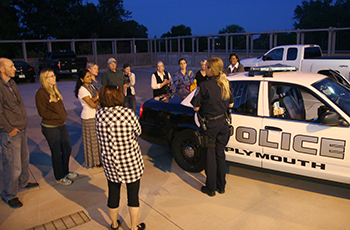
(312, 52)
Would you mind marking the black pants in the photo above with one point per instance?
(114, 194)
(215, 166)
(61, 148)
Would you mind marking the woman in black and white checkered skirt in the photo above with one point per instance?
(117, 129)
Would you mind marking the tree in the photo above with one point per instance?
(45, 19)
(73, 19)
(180, 30)
(238, 40)
(314, 14)
(323, 14)
(9, 28)
(232, 29)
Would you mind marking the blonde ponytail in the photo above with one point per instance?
(216, 65)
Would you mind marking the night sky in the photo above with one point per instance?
(208, 17)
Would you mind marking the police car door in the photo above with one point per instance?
(294, 140)
(243, 145)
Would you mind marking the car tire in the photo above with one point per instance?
(32, 80)
(58, 77)
(187, 152)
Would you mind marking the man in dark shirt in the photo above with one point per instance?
(112, 75)
(13, 136)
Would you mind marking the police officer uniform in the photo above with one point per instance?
(213, 110)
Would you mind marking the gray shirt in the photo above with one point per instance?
(113, 78)
(12, 111)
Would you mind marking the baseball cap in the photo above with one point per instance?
(110, 60)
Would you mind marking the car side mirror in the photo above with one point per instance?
(329, 118)
(264, 58)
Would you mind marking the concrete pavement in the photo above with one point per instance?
(170, 198)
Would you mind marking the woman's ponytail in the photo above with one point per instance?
(216, 66)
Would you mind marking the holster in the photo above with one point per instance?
(204, 141)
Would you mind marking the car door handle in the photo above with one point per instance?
(272, 128)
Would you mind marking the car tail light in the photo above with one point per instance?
(31, 69)
(59, 64)
(141, 110)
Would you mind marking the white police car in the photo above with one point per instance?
(291, 122)
(283, 120)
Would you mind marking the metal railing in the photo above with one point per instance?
(146, 51)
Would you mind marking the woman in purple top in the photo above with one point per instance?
(183, 79)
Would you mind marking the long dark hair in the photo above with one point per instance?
(80, 81)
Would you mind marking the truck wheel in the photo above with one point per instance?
(186, 151)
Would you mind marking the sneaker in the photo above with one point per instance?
(13, 203)
(29, 186)
(72, 175)
(64, 181)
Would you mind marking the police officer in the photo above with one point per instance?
(212, 100)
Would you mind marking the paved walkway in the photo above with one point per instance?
(170, 197)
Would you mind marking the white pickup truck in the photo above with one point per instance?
(307, 58)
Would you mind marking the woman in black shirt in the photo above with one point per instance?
(212, 101)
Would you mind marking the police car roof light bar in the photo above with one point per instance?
(267, 71)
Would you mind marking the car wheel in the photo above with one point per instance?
(187, 152)
(32, 80)
(58, 77)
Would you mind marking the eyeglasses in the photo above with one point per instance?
(52, 76)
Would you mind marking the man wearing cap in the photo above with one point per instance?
(112, 75)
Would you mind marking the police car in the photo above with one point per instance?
(283, 120)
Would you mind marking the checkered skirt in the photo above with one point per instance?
(117, 129)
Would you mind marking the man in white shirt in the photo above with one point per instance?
(160, 80)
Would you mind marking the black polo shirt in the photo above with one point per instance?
(208, 98)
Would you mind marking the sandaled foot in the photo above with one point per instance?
(141, 226)
(116, 227)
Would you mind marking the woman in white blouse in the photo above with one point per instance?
(89, 99)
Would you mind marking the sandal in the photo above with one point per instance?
(141, 226)
(116, 227)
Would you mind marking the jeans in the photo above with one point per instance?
(130, 102)
(15, 161)
(61, 148)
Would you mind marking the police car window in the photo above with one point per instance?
(336, 92)
(275, 55)
(291, 102)
(246, 97)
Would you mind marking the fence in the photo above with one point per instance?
(147, 51)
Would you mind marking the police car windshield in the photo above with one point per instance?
(336, 92)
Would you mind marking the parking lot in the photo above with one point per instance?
(170, 198)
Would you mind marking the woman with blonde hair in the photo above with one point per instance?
(201, 75)
(212, 101)
(93, 69)
(49, 104)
